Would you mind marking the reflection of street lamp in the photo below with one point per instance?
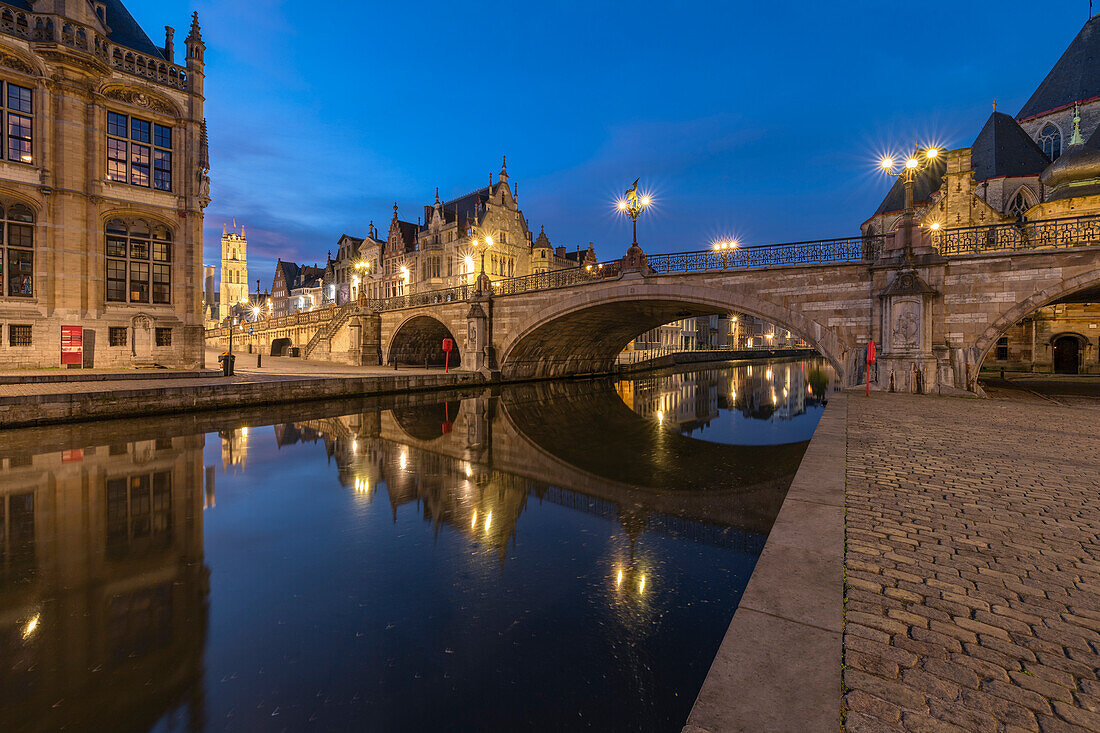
(634, 204)
(920, 159)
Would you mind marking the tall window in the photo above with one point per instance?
(139, 262)
(139, 152)
(1019, 205)
(18, 112)
(17, 251)
(1050, 140)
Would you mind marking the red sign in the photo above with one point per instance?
(72, 345)
(448, 345)
(871, 352)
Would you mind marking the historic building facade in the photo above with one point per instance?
(1042, 164)
(103, 182)
(234, 274)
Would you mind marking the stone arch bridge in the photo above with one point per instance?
(934, 316)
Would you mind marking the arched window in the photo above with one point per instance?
(17, 251)
(1050, 140)
(1020, 203)
(139, 258)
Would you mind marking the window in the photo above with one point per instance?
(17, 251)
(139, 152)
(164, 337)
(139, 513)
(1050, 140)
(18, 122)
(19, 335)
(116, 335)
(1020, 204)
(139, 258)
(1002, 348)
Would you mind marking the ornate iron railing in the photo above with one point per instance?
(414, 300)
(1080, 231)
(545, 280)
(817, 252)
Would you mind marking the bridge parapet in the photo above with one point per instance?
(1079, 231)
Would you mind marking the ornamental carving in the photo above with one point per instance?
(15, 63)
(140, 99)
(907, 327)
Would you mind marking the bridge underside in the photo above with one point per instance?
(589, 340)
(419, 341)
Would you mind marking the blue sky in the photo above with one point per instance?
(756, 120)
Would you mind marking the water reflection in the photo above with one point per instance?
(102, 584)
(418, 562)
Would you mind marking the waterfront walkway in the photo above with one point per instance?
(972, 557)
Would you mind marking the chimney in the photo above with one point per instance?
(560, 251)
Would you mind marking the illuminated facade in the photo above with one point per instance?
(103, 181)
(1042, 164)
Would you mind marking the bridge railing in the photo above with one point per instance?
(815, 252)
(1079, 231)
(546, 280)
(413, 300)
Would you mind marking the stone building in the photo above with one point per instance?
(1042, 164)
(234, 274)
(103, 182)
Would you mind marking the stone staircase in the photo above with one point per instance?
(325, 333)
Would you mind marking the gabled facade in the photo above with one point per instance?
(104, 175)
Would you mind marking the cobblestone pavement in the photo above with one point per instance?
(972, 556)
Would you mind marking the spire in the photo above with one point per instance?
(370, 230)
(225, 229)
(504, 169)
(195, 36)
(437, 195)
(515, 191)
(395, 211)
(204, 147)
(1076, 139)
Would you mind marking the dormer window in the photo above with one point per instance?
(1050, 140)
(101, 11)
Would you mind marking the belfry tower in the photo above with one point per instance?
(234, 279)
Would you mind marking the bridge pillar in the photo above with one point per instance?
(365, 339)
(478, 342)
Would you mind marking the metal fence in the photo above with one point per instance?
(816, 252)
(1081, 231)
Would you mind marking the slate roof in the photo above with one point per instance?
(1002, 148)
(465, 207)
(125, 31)
(927, 182)
(408, 232)
(1075, 76)
(290, 273)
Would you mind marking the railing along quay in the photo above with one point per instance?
(1080, 231)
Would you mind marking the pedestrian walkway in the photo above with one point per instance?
(972, 557)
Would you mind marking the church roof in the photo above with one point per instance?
(1002, 148)
(927, 182)
(1076, 75)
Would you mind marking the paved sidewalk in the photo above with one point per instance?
(972, 590)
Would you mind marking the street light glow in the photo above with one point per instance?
(887, 163)
(622, 204)
(646, 201)
(931, 152)
(912, 163)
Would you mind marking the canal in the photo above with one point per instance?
(538, 557)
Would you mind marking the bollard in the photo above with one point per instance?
(1002, 372)
(259, 359)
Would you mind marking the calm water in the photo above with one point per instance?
(555, 556)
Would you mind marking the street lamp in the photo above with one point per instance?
(724, 247)
(907, 170)
(633, 204)
(485, 244)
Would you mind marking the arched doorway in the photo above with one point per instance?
(280, 346)
(1067, 351)
(419, 342)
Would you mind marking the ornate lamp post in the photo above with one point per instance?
(723, 248)
(632, 205)
(907, 170)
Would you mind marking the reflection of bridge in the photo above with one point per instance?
(934, 322)
(474, 464)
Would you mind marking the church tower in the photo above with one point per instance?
(234, 279)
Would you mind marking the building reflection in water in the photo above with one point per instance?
(102, 584)
(689, 401)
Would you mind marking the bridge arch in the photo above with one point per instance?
(418, 340)
(988, 338)
(584, 331)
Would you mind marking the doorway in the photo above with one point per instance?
(1066, 354)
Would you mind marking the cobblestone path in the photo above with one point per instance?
(972, 593)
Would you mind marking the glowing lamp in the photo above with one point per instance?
(887, 163)
(912, 163)
(931, 153)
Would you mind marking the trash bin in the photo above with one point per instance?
(226, 360)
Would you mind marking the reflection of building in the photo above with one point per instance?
(234, 448)
(734, 331)
(1042, 164)
(102, 584)
(105, 171)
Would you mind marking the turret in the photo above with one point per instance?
(169, 44)
(196, 50)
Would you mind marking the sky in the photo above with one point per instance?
(760, 121)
